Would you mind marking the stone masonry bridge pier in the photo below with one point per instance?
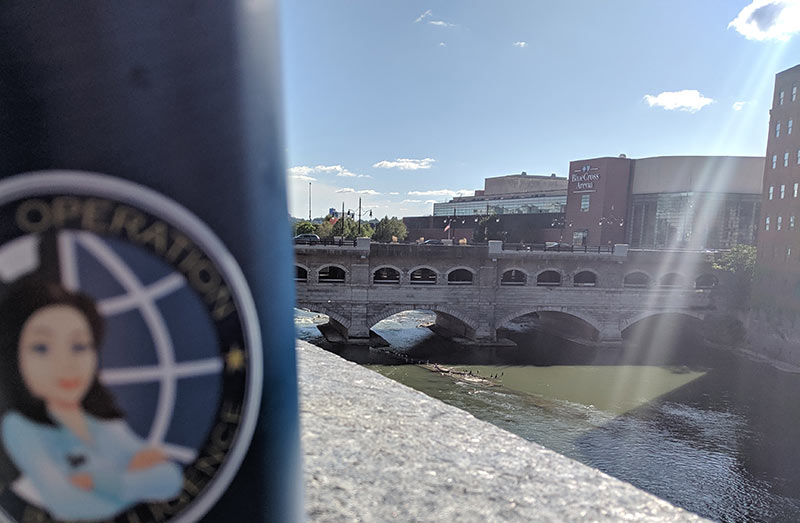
(475, 290)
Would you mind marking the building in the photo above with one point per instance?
(512, 194)
(774, 323)
(691, 202)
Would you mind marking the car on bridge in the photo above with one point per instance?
(306, 239)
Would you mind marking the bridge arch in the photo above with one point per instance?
(624, 324)
(321, 309)
(581, 315)
(444, 309)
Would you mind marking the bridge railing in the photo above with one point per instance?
(557, 247)
(338, 242)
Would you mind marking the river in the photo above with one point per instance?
(702, 427)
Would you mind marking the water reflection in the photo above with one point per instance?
(696, 425)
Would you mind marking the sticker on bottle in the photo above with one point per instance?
(130, 365)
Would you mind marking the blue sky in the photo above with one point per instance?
(404, 102)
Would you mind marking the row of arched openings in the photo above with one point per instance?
(550, 278)
(670, 280)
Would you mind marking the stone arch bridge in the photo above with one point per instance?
(475, 290)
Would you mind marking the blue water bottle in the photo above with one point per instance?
(147, 367)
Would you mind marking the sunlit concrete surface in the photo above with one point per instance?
(377, 451)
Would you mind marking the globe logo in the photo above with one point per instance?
(160, 357)
(171, 400)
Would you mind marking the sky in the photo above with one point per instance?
(405, 102)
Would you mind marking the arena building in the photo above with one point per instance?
(690, 202)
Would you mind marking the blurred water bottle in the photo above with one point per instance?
(146, 332)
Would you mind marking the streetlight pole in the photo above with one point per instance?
(309, 201)
(359, 217)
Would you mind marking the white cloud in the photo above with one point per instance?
(423, 16)
(441, 192)
(411, 201)
(521, 44)
(442, 44)
(351, 190)
(303, 177)
(405, 164)
(768, 20)
(431, 201)
(394, 193)
(687, 100)
(738, 106)
(305, 170)
(441, 23)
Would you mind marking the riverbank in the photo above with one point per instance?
(376, 450)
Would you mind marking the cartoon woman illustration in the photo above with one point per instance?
(77, 457)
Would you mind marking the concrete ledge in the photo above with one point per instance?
(376, 450)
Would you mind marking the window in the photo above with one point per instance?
(513, 277)
(585, 279)
(423, 276)
(783, 190)
(795, 189)
(786, 159)
(331, 274)
(781, 98)
(789, 127)
(636, 279)
(798, 156)
(777, 129)
(778, 224)
(386, 275)
(548, 279)
(585, 202)
(774, 160)
(459, 277)
(771, 191)
(579, 238)
(766, 224)
(794, 93)
(788, 253)
(791, 221)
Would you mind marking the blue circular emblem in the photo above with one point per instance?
(137, 380)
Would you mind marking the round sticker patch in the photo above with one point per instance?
(130, 364)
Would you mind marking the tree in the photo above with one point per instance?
(389, 227)
(740, 261)
(346, 227)
(304, 227)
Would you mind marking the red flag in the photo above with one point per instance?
(447, 228)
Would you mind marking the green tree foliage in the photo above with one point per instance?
(346, 227)
(741, 262)
(388, 227)
(304, 227)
